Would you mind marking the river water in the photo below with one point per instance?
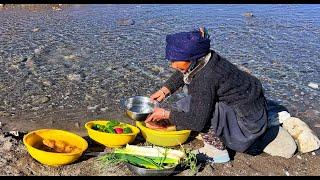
(93, 55)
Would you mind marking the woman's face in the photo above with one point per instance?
(181, 66)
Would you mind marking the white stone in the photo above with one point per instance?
(283, 145)
(92, 107)
(307, 142)
(305, 138)
(313, 85)
(35, 29)
(74, 77)
(7, 145)
(70, 57)
(283, 115)
(287, 173)
(37, 51)
(104, 109)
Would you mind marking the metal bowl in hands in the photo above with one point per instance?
(139, 107)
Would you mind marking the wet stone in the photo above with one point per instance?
(2, 113)
(40, 100)
(126, 22)
(313, 85)
(74, 77)
(248, 14)
(46, 83)
(35, 29)
(70, 57)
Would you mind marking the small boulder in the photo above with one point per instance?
(74, 77)
(46, 83)
(283, 145)
(35, 29)
(305, 138)
(70, 57)
(36, 100)
(283, 115)
(126, 22)
(248, 14)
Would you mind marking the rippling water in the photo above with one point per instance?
(84, 56)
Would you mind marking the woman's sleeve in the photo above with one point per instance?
(174, 82)
(200, 110)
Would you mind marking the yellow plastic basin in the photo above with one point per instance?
(32, 139)
(163, 138)
(109, 139)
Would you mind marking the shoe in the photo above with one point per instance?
(211, 154)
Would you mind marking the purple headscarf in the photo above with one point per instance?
(187, 46)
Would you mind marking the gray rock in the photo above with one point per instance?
(283, 145)
(70, 57)
(30, 62)
(3, 113)
(19, 60)
(104, 109)
(248, 14)
(88, 98)
(35, 108)
(36, 100)
(74, 77)
(305, 138)
(56, 8)
(77, 125)
(313, 85)
(157, 69)
(37, 51)
(92, 108)
(7, 146)
(46, 83)
(125, 22)
(287, 173)
(35, 29)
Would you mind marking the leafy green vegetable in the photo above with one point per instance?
(113, 123)
(110, 127)
(127, 130)
(149, 159)
(190, 160)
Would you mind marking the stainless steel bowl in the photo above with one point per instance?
(150, 172)
(139, 107)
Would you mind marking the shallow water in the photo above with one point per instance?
(94, 55)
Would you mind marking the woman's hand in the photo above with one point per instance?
(160, 94)
(158, 115)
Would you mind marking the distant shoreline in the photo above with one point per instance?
(32, 6)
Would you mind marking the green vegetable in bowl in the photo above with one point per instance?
(127, 130)
(114, 127)
(113, 123)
